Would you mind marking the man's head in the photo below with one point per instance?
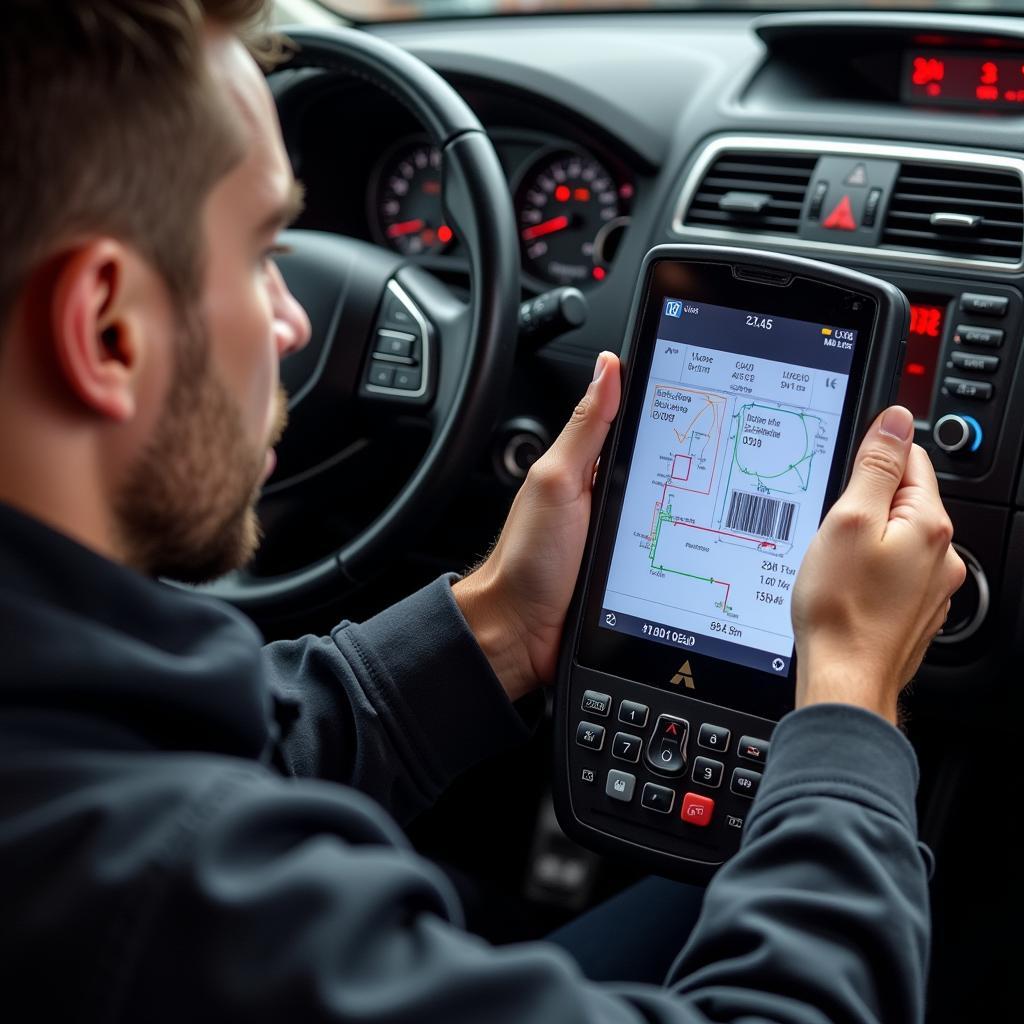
(141, 316)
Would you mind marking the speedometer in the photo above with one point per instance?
(405, 200)
(567, 207)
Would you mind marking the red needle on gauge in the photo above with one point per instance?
(547, 227)
(405, 227)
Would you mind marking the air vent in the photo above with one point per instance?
(753, 192)
(957, 212)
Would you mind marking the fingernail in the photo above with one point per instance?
(897, 422)
(599, 367)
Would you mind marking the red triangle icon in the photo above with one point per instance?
(841, 218)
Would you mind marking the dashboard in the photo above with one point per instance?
(380, 179)
(887, 142)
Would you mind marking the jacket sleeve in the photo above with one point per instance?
(297, 900)
(397, 706)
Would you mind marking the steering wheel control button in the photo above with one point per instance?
(395, 343)
(382, 375)
(408, 379)
(987, 337)
(590, 735)
(979, 390)
(657, 798)
(956, 433)
(753, 749)
(596, 703)
(626, 747)
(398, 317)
(620, 785)
(713, 737)
(984, 305)
(697, 809)
(745, 782)
(975, 363)
(665, 749)
(633, 714)
(708, 772)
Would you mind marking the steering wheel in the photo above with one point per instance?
(372, 312)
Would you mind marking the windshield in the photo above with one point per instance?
(413, 10)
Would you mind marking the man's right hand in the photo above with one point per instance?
(875, 585)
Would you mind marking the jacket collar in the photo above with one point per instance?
(169, 668)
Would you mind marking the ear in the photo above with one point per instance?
(98, 314)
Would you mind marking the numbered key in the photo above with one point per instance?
(708, 772)
(626, 747)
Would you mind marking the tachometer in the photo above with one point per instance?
(566, 207)
(406, 200)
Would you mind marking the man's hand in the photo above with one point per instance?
(516, 601)
(875, 585)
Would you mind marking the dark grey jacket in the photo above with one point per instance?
(195, 828)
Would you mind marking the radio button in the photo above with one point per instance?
(986, 305)
(954, 433)
(590, 735)
(657, 798)
(975, 363)
(988, 337)
(713, 737)
(596, 703)
(979, 390)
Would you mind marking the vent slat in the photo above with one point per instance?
(938, 202)
(953, 187)
(923, 189)
(951, 242)
(727, 184)
(785, 178)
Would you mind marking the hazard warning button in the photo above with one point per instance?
(846, 200)
(841, 218)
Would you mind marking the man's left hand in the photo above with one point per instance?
(516, 601)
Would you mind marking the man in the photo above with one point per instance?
(193, 828)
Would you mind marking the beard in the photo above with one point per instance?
(187, 508)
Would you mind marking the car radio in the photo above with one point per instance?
(961, 354)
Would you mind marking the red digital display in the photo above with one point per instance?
(952, 78)
(924, 341)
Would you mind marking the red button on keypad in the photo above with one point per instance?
(697, 810)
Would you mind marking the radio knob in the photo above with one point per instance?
(956, 433)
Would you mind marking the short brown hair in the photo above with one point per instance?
(111, 125)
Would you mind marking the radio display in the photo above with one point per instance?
(956, 79)
(924, 342)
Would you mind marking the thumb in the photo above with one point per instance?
(579, 444)
(880, 464)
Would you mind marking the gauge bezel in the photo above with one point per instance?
(545, 154)
(373, 215)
